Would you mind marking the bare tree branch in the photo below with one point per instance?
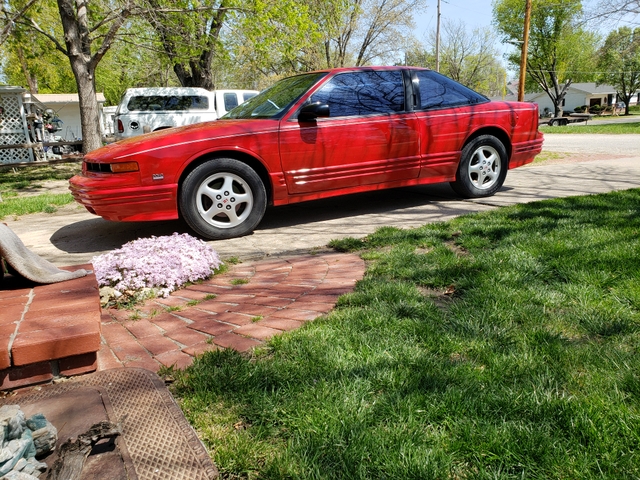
(11, 19)
(116, 25)
(31, 23)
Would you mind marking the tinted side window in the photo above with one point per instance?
(438, 91)
(152, 103)
(363, 93)
(247, 96)
(230, 101)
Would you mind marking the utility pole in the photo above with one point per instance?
(438, 39)
(525, 46)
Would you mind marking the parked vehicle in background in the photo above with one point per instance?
(145, 110)
(312, 136)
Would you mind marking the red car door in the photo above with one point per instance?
(448, 113)
(367, 139)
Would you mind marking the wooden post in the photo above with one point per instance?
(525, 46)
(438, 39)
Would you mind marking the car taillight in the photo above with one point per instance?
(120, 126)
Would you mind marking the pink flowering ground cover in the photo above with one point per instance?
(155, 266)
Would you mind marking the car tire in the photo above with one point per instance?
(482, 169)
(222, 198)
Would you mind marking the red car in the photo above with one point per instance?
(312, 136)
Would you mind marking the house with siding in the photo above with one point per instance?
(578, 94)
(67, 108)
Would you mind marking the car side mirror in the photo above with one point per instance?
(310, 112)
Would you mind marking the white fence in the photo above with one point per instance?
(14, 132)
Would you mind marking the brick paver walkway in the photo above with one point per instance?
(239, 309)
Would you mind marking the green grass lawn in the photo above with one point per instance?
(46, 203)
(612, 128)
(16, 181)
(497, 345)
(19, 178)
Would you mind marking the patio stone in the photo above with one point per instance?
(59, 330)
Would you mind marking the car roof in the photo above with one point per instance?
(167, 91)
(234, 90)
(369, 68)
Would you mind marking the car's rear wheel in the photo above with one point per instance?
(482, 169)
(223, 198)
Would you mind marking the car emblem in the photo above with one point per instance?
(134, 125)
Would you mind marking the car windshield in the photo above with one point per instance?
(275, 100)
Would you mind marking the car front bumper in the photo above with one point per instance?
(104, 195)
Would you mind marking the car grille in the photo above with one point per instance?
(98, 167)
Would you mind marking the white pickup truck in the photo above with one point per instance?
(144, 110)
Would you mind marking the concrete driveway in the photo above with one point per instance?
(588, 164)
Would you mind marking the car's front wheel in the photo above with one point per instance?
(482, 169)
(222, 198)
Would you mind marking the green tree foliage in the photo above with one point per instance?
(248, 43)
(8, 18)
(272, 40)
(29, 59)
(204, 39)
(469, 57)
(188, 32)
(84, 33)
(132, 62)
(339, 33)
(619, 63)
(560, 51)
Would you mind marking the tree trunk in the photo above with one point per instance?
(75, 18)
(77, 40)
(559, 111)
(195, 72)
(197, 75)
(89, 111)
(31, 80)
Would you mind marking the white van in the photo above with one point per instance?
(144, 110)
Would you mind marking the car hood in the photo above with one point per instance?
(188, 134)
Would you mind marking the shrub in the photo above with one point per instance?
(161, 264)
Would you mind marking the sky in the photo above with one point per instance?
(474, 13)
(478, 14)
